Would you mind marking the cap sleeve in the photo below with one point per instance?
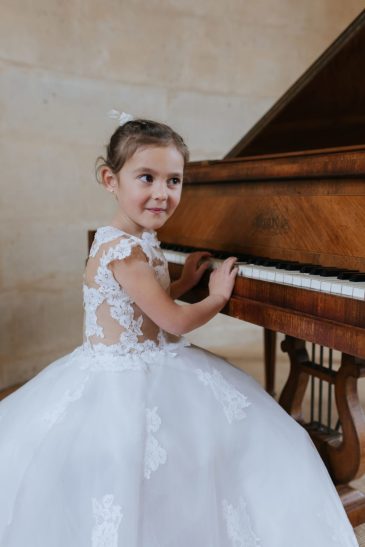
(122, 249)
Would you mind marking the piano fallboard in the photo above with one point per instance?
(274, 208)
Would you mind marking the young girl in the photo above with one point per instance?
(137, 439)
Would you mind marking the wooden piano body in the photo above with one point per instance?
(294, 189)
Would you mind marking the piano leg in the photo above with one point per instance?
(292, 396)
(270, 354)
(342, 452)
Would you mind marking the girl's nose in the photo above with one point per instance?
(159, 191)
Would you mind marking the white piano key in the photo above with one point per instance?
(246, 271)
(297, 280)
(315, 283)
(175, 257)
(347, 289)
(215, 263)
(359, 291)
(336, 287)
(270, 273)
(288, 279)
(326, 284)
(300, 279)
(306, 281)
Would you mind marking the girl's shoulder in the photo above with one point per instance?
(108, 238)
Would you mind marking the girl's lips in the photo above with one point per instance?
(156, 210)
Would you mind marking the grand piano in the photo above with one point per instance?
(289, 201)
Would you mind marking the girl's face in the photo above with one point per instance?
(147, 188)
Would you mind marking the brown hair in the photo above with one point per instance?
(127, 138)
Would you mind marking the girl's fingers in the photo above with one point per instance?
(198, 255)
(226, 267)
(229, 262)
(204, 266)
(234, 272)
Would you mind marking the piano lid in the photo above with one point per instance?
(325, 108)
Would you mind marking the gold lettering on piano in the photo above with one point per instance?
(271, 222)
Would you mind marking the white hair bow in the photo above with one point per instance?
(122, 117)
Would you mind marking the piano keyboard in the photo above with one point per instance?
(336, 281)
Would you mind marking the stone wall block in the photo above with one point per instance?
(73, 110)
(36, 322)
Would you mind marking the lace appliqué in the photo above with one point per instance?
(232, 400)
(107, 520)
(155, 454)
(238, 524)
(92, 300)
(103, 235)
(100, 357)
(56, 414)
(162, 271)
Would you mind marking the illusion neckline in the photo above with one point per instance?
(144, 233)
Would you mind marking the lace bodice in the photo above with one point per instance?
(112, 321)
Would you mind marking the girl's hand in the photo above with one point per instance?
(194, 267)
(222, 279)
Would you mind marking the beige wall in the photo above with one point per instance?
(209, 68)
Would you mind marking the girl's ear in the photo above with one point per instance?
(109, 179)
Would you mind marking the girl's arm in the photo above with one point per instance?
(138, 279)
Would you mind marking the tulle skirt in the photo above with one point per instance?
(166, 450)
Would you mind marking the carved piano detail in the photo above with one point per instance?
(291, 194)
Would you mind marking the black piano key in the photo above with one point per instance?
(306, 268)
(260, 261)
(323, 271)
(295, 267)
(269, 262)
(284, 264)
(316, 270)
(357, 278)
(243, 257)
(347, 274)
(330, 272)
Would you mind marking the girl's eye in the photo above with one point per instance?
(174, 181)
(146, 178)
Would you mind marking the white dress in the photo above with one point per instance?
(135, 440)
